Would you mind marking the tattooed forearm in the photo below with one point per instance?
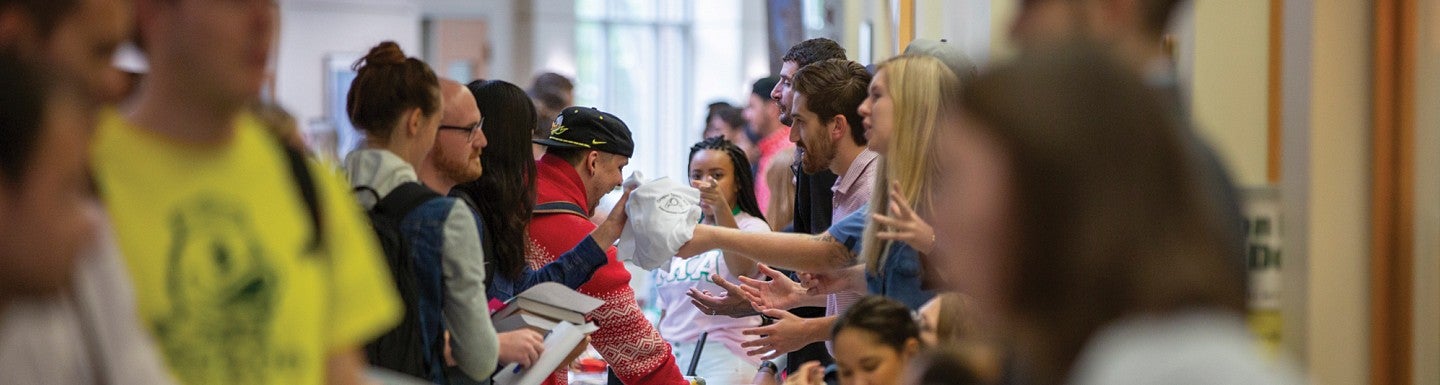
(836, 254)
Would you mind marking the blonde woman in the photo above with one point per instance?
(900, 114)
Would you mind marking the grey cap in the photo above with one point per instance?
(948, 53)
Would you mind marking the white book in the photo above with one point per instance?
(558, 345)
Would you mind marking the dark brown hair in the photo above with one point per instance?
(45, 13)
(1156, 14)
(505, 194)
(812, 51)
(387, 84)
(1108, 219)
(550, 88)
(835, 87)
(889, 320)
(28, 90)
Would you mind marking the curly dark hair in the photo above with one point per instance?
(744, 177)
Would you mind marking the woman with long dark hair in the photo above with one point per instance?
(721, 171)
(504, 196)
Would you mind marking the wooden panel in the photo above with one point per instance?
(1276, 97)
(1392, 193)
(906, 27)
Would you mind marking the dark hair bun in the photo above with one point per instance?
(385, 53)
(386, 84)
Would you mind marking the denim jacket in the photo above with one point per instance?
(465, 310)
(571, 269)
(899, 275)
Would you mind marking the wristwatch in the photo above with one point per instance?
(769, 365)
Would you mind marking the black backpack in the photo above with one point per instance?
(404, 348)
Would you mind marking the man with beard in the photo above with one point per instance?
(455, 158)
(826, 124)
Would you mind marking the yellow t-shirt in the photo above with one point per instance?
(216, 240)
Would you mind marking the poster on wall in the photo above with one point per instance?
(1262, 214)
(338, 75)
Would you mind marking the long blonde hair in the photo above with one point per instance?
(921, 89)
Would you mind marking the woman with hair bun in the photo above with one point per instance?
(396, 101)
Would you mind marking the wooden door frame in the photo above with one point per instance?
(1392, 254)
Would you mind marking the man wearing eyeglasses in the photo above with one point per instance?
(455, 158)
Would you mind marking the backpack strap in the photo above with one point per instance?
(560, 207)
(300, 170)
(404, 198)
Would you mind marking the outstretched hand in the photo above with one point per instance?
(731, 303)
(905, 225)
(835, 281)
(811, 373)
(780, 292)
(789, 333)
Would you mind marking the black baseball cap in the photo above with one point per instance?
(590, 128)
(763, 86)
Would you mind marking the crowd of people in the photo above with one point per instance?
(1051, 219)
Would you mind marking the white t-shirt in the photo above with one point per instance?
(88, 335)
(1195, 347)
(682, 321)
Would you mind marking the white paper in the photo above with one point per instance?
(558, 346)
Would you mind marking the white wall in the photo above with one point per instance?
(312, 29)
(1229, 90)
(962, 22)
(553, 31)
(1427, 203)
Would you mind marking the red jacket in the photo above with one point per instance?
(627, 341)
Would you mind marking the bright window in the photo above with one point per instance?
(632, 61)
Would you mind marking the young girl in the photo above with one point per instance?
(874, 342)
(721, 171)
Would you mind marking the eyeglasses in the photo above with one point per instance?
(468, 130)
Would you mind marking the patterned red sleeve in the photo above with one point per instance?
(628, 342)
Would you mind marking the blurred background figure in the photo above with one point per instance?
(781, 178)
(1151, 289)
(724, 119)
(954, 343)
(281, 123)
(67, 306)
(770, 136)
(551, 93)
(74, 38)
